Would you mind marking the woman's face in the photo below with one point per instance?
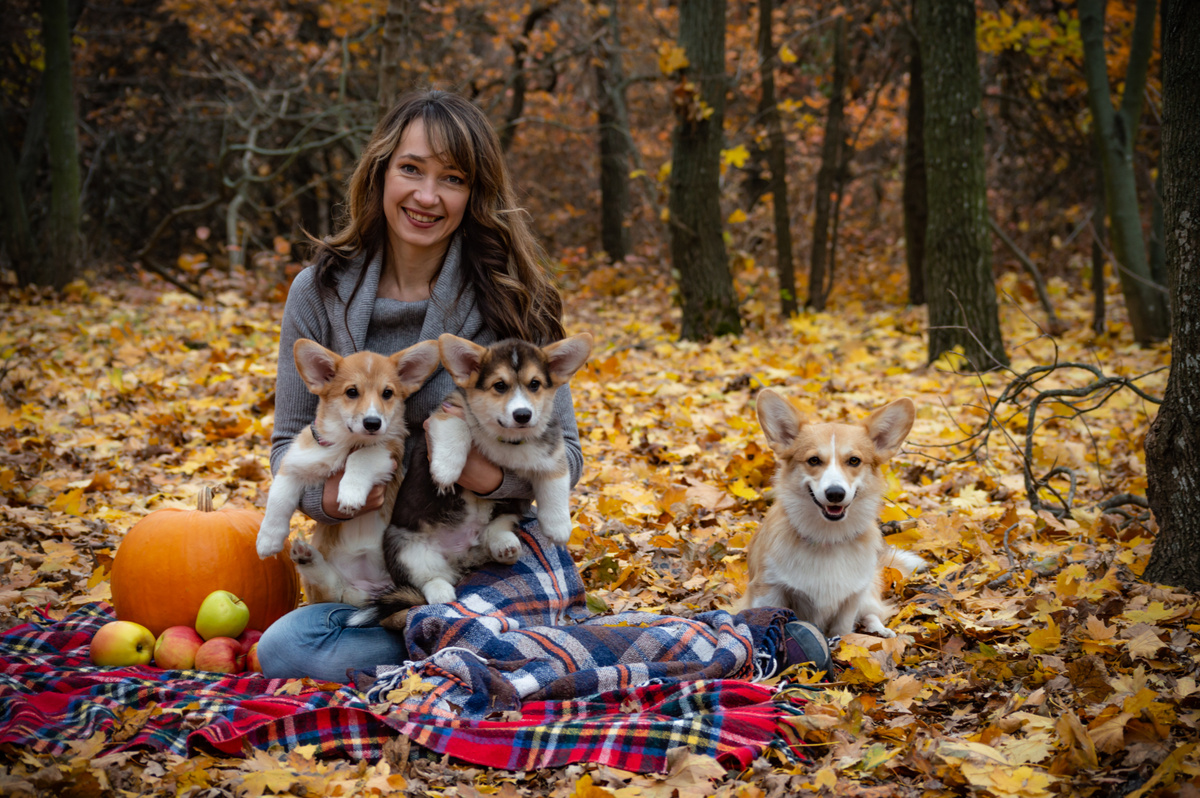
(424, 198)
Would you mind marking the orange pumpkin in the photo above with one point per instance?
(171, 559)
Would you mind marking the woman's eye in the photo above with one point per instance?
(408, 169)
(456, 180)
(854, 461)
(352, 392)
(814, 461)
(388, 393)
(534, 386)
(500, 387)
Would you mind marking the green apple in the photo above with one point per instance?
(120, 643)
(222, 614)
(176, 648)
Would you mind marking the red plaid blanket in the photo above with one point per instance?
(51, 694)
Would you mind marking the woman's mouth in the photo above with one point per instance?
(421, 218)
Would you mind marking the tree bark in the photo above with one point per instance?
(1173, 444)
(395, 45)
(520, 76)
(697, 246)
(916, 212)
(831, 164)
(615, 140)
(18, 235)
(960, 288)
(1115, 132)
(63, 230)
(776, 162)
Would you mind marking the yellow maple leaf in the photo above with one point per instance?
(744, 491)
(1144, 644)
(970, 498)
(786, 55)
(737, 217)
(671, 57)
(1044, 641)
(412, 685)
(70, 502)
(735, 157)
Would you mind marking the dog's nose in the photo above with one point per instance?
(372, 423)
(834, 495)
(522, 416)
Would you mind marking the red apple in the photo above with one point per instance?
(220, 655)
(122, 643)
(248, 638)
(176, 648)
(252, 663)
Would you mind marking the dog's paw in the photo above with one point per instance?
(558, 530)
(351, 500)
(302, 553)
(269, 541)
(505, 548)
(443, 478)
(439, 591)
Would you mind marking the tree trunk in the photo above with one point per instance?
(520, 77)
(1173, 444)
(916, 213)
(18, 236)
(697, 245)
(395, 46)
(960, 288)
(1099, 241)
(831, 163)
(615, 142)
(1115, 131)
(776, 162)
(63, 232)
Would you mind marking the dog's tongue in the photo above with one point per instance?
(835, 509)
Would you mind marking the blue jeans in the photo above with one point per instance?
(314, 641)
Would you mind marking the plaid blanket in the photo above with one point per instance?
(524, 681)
(518, 646)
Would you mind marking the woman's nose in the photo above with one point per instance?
(426, 193)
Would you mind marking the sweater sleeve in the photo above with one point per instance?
(304, 316)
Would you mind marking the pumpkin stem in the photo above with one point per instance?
(204, 502)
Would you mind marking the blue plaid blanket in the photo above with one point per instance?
(523, 633)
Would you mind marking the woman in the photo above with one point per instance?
(433, 243)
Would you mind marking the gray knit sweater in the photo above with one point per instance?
(347, 325)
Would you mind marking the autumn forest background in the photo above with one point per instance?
(785, 213)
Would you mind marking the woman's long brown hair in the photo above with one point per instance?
(501, 259)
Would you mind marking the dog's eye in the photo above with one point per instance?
(352, 392)
(500, 387)
(388, 393)
(854, 461)
(533, 386)
(814, 461)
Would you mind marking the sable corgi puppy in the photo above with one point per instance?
(819, 550)
(439, 531)
(360, 426)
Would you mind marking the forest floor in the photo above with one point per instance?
(1031, 660)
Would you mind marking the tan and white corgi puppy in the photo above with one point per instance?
(439, 531)
(819, 551)
(360, 427)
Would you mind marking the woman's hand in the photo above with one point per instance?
(479, 475)
(329, 497)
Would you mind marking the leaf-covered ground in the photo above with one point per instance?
(1031, 659)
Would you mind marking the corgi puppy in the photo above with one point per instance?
(360, 427)
(819, 550)
(505, 394)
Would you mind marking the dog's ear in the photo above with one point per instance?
(779, 420)
(414, 365)
(316, 364)
(889, 426)
(460, 357)
(567, 356)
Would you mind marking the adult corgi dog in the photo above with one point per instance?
(504, 406)
(819, 550)
(360, 426)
